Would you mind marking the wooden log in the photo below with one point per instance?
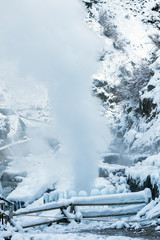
(108, 212)
(105, 204)
(72, 208)
(114, 199)
(111, 215)
(44, 222)
(43, 208)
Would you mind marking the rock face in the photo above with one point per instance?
(10, 181)
(112, 158)
(129, 89)
(150, 87)
(146, 106)
(103, 172)
(12, 127)
(137, 186)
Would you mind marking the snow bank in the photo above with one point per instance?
(40, 176)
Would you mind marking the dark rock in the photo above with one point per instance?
(102, 57)
(150, 87)
(10, 181)
(89, 4)
(147, 105)
(133, 64)
(11, 177)
(102, 96)
(156, 8)
(103, 173)
(112, 158)
(139, 159)
(99, 84)
(135, 185)
(129, 110)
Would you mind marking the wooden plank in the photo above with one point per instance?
(43, 208)
(107, 204)
(111, 215)
(107, 212)
(63, 207)
(36, 211)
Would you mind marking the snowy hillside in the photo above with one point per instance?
(128, 81)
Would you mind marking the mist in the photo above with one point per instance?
(49, 43)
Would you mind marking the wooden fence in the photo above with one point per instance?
(78, 208)
(6, 210)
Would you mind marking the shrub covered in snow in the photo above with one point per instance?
(109, 28)
(4, 127)
(155, 39)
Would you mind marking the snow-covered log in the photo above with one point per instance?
(41, 221)
(114, 199)
(44, 207)
(111, 212)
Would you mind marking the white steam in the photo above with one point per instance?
(50, 42)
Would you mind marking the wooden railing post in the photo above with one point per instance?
(11, 211)
(5, 205)
(2, 212)
(72, 208)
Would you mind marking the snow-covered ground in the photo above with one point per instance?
(71, 236)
